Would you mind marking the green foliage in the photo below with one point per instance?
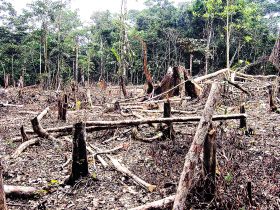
(228, 178)
(171, 34)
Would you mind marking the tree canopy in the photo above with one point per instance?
(48, 41)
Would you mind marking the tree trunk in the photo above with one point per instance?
(193, 155)
(79, 154)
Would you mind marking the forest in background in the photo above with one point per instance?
(48, 42)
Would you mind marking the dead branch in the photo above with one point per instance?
(127, 172)
(116, 137)
(24, 146)
(136, 135)
(159, 204)
(237, 86)
(193, 155)
(110, 150)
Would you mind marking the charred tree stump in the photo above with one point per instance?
(272, 105)
(249, 192)
(62, 108)
(3, 205)
(23, 134)
(209, 164)
(117, 106)
(168, 131)
(193, 155)
(79, 155)
(243, 124)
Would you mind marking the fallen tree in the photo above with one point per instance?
(193, 155)
(162, 120)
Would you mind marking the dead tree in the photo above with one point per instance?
(3, 205)
(193, 155)
(209, 164)
(79, 155)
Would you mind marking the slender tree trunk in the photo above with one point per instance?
(77, 59)
(228, 62)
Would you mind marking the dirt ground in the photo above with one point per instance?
(241, 158)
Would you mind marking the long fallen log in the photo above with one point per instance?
(193, 155)
(163, 120)
(159, 204)
(104, 125)
(127, 172)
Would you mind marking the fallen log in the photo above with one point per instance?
(9, 105)
(20, 191)
(104, 125)
(209, 76)
(127, 172)
(256, 76)
(24, 146)
(163, 120)
(193, 155)
(39, 130)
(159, 204)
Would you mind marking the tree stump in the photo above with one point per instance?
(243, 123)
(3, 205)
(272, 105)
(209, 164)
(79, 155)
(62, 108)
(168, 131)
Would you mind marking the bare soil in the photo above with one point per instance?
(240, 158)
